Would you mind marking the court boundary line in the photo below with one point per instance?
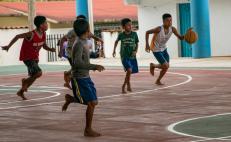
(43, 98)
(171, 129)
(189, 79)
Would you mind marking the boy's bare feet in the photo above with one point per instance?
(123, 89)
(20, 93)
(159, 83)
(152, 69)
(68, 99)
(91, 133)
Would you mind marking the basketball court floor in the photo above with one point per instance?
(194, 105)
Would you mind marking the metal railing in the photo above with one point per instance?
(52, 41)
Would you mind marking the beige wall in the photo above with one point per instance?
(13, 21)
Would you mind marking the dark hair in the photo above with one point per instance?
(81, 26)
(81, 17)
(39, 20)
(166, 15)
(125, 21)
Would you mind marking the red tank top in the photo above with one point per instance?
(30, 48)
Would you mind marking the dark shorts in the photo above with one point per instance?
(32, 67)
(130, 64)
(84, 90)
(162, 57)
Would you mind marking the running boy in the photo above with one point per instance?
(161, 36)
(83, 88)
(129, 46)
(70, 37)
(29, 54)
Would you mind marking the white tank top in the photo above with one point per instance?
(162, 39)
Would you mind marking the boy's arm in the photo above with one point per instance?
(48, 48)
(27, 35)
(96, 38)
(152, 31)
(114, 50)
(137, 44)
(177, 34)
(78, 60)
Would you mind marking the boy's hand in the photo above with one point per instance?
(147, 49)
(100, 68)
(190, 29)
(5, 48)
(134, 53)
(114, 54)
(53, 49)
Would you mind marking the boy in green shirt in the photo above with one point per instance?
(129, 46)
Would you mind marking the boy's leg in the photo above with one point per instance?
(164, 69)
(67, 79)
(127, 81)
(134, 69)
(128, 67)
(67, 75)
(34, 73)
(68, 99)
(163, 59)
(89, 132)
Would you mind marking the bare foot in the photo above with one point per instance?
(20, 93)
(91, 133)
(68, 99)
(123, 89)
(152, 69)
(159, 83)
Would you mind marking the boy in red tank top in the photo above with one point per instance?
(33, 41)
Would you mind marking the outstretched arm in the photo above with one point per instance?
(48, 48)
(24, 35)
(96, 38)
(181, 37)
(115, 45)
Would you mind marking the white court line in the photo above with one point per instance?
(44, 91)
(42, 87)
(210, 139)
(172, 126)
(189, 79)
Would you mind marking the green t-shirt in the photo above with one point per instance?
(128, 44)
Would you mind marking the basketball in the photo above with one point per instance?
(191, 36)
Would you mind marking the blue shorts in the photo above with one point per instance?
(130, 64)
(162, 57)
(84, 90)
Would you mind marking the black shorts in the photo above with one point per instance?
(32, 67)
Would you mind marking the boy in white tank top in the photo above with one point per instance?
(158, 46)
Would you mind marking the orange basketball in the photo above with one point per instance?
(191, 37)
